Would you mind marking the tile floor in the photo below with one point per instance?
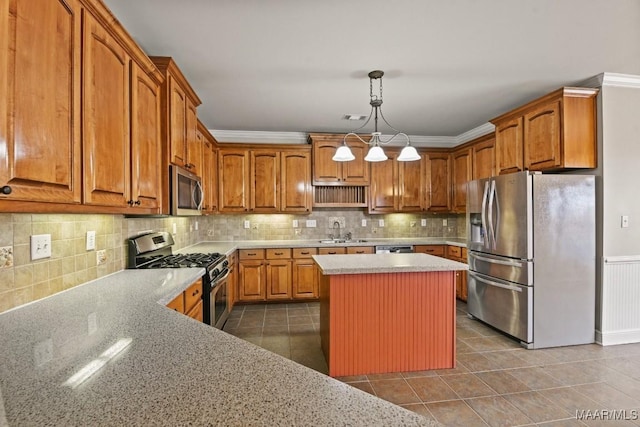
(495, 383)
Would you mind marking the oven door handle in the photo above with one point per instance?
(220, 279)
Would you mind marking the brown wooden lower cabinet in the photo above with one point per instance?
(189, 302)
(305, 274)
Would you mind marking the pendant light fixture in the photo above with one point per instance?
(376, 153)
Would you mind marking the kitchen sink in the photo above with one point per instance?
(342, 241)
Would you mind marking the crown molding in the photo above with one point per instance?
(258, 137)
(612, 79)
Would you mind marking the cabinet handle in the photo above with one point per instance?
(304, 253)
(5, 189)
(189, 165)
(279, 253)
(250, 254)
(359, 252)
(196, 292)
(332, 253)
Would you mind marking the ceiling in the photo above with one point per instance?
(450, 65)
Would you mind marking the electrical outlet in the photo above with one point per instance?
(91, 240)
(196, 225)
(40, 246)
(295, 223)
(624, 221)
(423, 222)
(364, 223)
(381, 223)
(101, 257)
(311, 223)
(175, 228)
(444, 222)
(247, 224)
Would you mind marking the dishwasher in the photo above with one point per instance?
(394, 249)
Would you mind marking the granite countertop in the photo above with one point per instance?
(228, 247)
(153, 366)
(385, 263)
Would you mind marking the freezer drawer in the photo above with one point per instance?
(512, 270)
(503, 305)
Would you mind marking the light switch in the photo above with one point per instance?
(444, 222)
(381, 223)
(247, 224)
(364, 222)
(311, 223)
(295, 223)
(423, 222)
(40, 246)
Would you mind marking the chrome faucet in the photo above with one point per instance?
(336, 224)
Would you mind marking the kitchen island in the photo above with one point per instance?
(387, 312)
(110, 353)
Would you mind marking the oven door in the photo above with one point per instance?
(220, 301)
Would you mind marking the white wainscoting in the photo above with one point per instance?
(620, 301)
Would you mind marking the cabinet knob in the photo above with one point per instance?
(5, 189)
(137, 203)
(130, 202)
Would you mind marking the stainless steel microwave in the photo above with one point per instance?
(187, 195)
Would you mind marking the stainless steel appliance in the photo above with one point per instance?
(394, 249)
(531, 249)
(186, 192)
(153, 250)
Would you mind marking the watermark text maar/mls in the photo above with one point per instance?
(608, 414)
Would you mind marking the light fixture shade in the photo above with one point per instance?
(408, 154)
(376, 154)
(343, 154)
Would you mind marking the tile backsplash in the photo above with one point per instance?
(70, 264)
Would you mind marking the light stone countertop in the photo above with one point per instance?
(227, 247)
(385, 263)
(154, 366)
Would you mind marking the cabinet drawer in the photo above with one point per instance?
(304, 252)
(177, 303)
(454, 251)
(279, 253)
(464, 254)
(436, 250)
(360, 249)
(251, 254)
(196, 312)
(332, 251)
(192, 295)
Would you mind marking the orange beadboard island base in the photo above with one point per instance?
(388, 322)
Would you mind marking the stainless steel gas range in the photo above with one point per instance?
(154, 250)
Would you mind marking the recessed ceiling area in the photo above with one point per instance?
(450, 65)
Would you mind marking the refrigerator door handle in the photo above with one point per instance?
(492, 283)
(497, 261)
(485, 195)
(492, 236)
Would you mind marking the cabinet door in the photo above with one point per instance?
(484, 158)
(360, 250)
(251, 281)
(461, 160)
(40, 50)
(356, 172)
(437, 180)
(305, 279)
(233, 184)
(265, 181)
(278, 279)
(542, 137)
(145, 140)
(295, 184)
(177, 123)
(324, 168)
(208, 171)
(383, 197)
(509, 145)
(411, 186)
(193, 143)
(106, 116)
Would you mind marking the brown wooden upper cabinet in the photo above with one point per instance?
(397, 186)
(328, 172)
(179, 116)
(40, 147)
(265, 180)
(209, 168)
(484, 156)
(554, 132)
(462, 173)
(438, 171)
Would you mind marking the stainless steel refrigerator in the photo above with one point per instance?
(531, 245)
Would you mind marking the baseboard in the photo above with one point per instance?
(618, 337)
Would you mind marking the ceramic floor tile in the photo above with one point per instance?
(502, 382)
(572, 422)
(498, 412)
(420, 408)
(414, 374)
(432, 389)
(395, 391)
(489, 343)
(607, 396)
(364, 386)
(468, 385)
(535, 378)
(477, 362)
(506, 359)
(386, 376)
(352, 378)
(569, 399)
(537, 407)
(455, 413)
